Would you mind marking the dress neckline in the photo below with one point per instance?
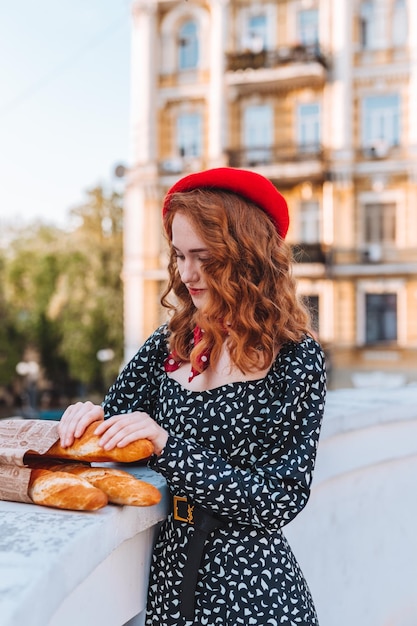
(254, 382)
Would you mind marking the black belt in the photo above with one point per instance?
(203, 524)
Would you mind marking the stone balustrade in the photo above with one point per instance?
(60, 568)
(355, 540)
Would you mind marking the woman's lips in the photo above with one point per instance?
(195, 292)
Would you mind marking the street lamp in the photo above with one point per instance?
(30, 371)
(104, 356)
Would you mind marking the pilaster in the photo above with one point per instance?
(341, 130)
(217, 97)
(143, 81)
(412, 104)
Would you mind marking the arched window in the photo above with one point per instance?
(188, 47)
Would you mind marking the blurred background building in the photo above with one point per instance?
(320, 96)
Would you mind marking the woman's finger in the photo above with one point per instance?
(120, 430)
(122, 426)
(75, 420)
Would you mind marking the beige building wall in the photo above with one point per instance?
(319, 96)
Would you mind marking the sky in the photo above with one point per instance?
(64, 104)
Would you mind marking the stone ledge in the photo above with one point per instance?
(45, 554)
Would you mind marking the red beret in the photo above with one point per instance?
(249, 185)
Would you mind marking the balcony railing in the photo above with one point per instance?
(283, 55)
(250, 157)
(309, 253)
(372, 254)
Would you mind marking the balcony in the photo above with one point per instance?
(284, 55)
(310, 260)
(372, 259)
(180, 165)
(288, 163)
(384, 157)
(309, 253)
(286, 66)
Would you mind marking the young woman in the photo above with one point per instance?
(231, 392)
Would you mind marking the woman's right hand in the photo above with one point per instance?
(75, 420)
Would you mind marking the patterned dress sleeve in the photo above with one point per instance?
(276, 487)
(136, 387)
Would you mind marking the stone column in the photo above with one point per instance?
(216, 99)
(412, 104)
(328, 214)
(142, 170)
(341, 91)
(143, 81)
(133, 268)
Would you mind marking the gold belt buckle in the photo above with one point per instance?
(189, 519)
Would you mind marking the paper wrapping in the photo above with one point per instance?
(17, 437)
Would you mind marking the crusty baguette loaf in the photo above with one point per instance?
(86, 448)
(64, 491)
(119, 486)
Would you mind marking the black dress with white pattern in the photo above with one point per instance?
(245, 451)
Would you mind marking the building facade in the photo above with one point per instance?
(320, 96)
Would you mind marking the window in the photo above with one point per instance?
(308, 126)
(380, 317)
(311, 302)
(189, 134)
(308, 27)
(366, 25)
(373, 23)
(256, 37)
(380, 222)
(256, 26)
(381, 120)
(188, 46)
(399, 23)
(258, 133)
(309, 222)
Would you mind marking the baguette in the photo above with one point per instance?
(86, 448)
(63, 490)
(119, 486)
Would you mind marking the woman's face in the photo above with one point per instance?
(191, 252)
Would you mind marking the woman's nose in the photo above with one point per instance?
(189, 271)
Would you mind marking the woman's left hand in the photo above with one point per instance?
(119, 430)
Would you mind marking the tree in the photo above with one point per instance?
(11, 341)
(92, 318)
(88, 300)
(62, 295)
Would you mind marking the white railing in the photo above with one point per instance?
(355, 540)
(60, 568)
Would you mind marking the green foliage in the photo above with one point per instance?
(61, 295)
(11, 341)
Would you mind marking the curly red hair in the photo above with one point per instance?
(249, 277)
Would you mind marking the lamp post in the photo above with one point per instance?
(30, 371)
(104, 356)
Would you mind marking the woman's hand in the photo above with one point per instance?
(75, 420)
(119, 430)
